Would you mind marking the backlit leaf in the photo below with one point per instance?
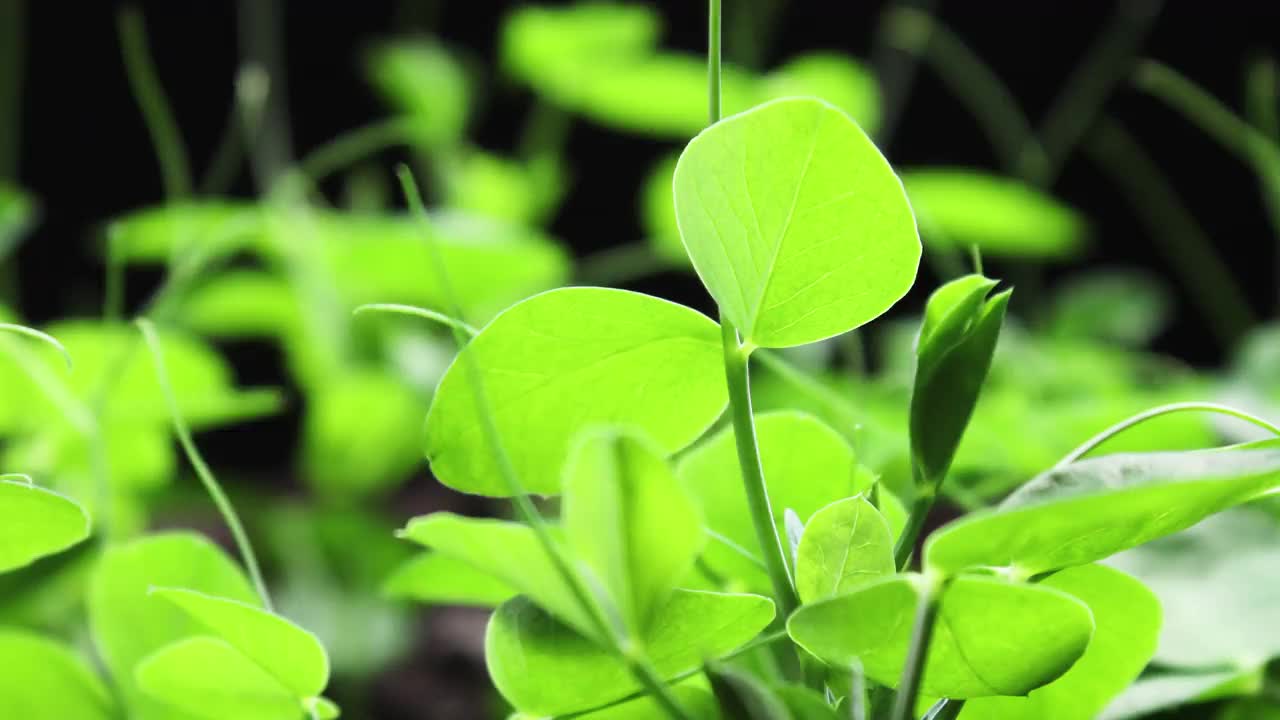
(43, 680)
(440, 579)
(846, 544)
(207, 678)
(1126, 616)
(1095, 508)
(793, 245)
(564, 361)
(35, 522)
(629, 521)
(530, 654)
(982, 623)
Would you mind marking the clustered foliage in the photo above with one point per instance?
(724, 543)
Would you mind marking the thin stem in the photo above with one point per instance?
(353, 146)
(975, 255)
(1087, 88)
(736, 360)
(1185, 244)
(1093, 442)
(945, 709)
(438, 317)
(920, 509)
(206, 476)
(714, 21)
(895, 67)
(175, 170)
(40, 336)
(627, 651)
(918, 651)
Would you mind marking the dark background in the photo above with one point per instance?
(86, 155)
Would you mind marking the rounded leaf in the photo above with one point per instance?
(44, 680)
(564, 361)
(795, 222)
(35, 522)
(845, 544)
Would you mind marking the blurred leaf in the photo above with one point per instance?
(658, 214)
(992, 637)
(743, 697)
(438, 579)
(763, 199)
(700, 704)
(837, 79)
(1163, 692)
(241, 303)
(807, 466)
(491, 186)
(958, 208)
(846, 544)
(630, 523)
(540, 41)
(508, 551)
(1251, 709)
(1095, 508)
(17, 215)
(35, 522)
(806, 704)
(207, 678)
(564, 361)
(543, 667)
(361, 433)
(291, 655)
(128, 624)
(44, 680)
(1126, 307)
(1208, 581)
(216, 227)
(423, 81)
(1126, 616)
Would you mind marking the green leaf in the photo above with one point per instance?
(982, 623)
(1126, 616)
(44, 680)
(743, 697)
(1121, 306)
(492, 186)
(657, 212)
(543, 667)
(838, 79)
(793, 246)
(128, 624)
(629, 521)
(957, 342)
(217, 227)
(1207, 579)
(1251, 709)
(566, 360)
(845, 544)
(207, 678)
(1162, 692)
(508, 551)
(807, 466)
(422, 80)
(241, 303)
(959, 208)
(288, 653)
(438, 579)
(541, 42)
(361, 434)
(35, 522)
(1095, 508)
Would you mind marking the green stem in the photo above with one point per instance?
(353, 146)
(920, 510)
(714, 21)
(913, 671)
(156, 113)
(1093, 442)
(630, 653)
(736, 361)
(206, 476)
(945, 709)
(438, 317)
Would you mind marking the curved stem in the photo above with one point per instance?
(158, 116)
(1093, 442)
(744, 432)
(447, 320)
(945, 709)
(354, 145)
(206, 476)
(918, 651)
(37, 335)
